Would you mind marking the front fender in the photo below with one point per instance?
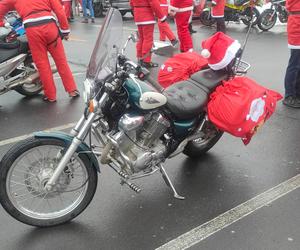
(67, 139)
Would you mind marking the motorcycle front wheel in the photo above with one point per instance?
(206, 18)
(198, 147)
(24, 172)
(251, 14)
(267, 20)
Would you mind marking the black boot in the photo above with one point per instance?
(191, 29)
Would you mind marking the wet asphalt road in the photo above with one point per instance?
(227, 176)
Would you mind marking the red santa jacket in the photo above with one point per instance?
(146, 10)
(181, 5)
(293, 27)
(35, 12)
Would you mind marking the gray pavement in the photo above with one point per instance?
(227, 176)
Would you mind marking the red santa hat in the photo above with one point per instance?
(219, 50)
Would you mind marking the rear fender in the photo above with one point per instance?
(67, 139)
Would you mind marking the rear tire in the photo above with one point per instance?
(196, 148)
(28, 90)
(266, 20)
(30, 177)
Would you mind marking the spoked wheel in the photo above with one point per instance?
(267, 20)
(198, 147)
(250, 14)
(24, 172)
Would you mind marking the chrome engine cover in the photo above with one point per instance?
(139, 140)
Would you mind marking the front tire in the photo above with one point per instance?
(198, 147)
(267, 20)
(24, 171)
(251, 14)
(206, 18)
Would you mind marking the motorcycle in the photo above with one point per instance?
(268, 17)
(17, 71)
(235, 11)
(130, 124)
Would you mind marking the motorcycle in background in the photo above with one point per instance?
(268, 17)
(235, 11)
(129, 125)
(17, 70)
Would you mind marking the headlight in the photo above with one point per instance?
(88, 91)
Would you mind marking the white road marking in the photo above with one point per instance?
(224, 220)
(23, 137)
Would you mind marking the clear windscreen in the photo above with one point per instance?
(108, 45)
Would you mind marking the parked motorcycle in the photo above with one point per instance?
(268, 17)
(17, 71)
(130, 124)
(235, 11)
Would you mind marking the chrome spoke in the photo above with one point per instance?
(28, 176)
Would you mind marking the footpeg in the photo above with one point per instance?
(169, 183)
(132, 186)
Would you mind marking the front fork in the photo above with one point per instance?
(79, 132)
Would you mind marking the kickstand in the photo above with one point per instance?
(169, 183)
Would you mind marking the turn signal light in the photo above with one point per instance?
(91, 106)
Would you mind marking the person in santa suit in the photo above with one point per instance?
(182, 11)
(144, 16)
(68, 8)
(217, 13)
(43, 37)
(164, 28)
(292, 76)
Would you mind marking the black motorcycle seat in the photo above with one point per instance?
(11, 45)
(209, 78)
(185, 99)
(6, 54)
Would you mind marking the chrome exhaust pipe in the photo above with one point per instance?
(28, 80)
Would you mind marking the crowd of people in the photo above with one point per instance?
(39, 18)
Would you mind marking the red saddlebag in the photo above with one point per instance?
(240, 106)
(180, 67)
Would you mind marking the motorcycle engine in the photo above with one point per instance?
(140, 140)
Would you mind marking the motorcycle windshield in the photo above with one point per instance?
(108, 45)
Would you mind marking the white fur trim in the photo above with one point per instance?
(205, 53)
(164, 5)
(145, 22)
(163, 19)
(229, 55)
(290, 46)
(181, 9)
(65, 31)
(32, 20)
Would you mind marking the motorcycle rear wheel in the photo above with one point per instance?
(198, 147)
(32, 89)
(24, 172)
(266, 21)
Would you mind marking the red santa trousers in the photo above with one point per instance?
(165, 31)
(67, 6)
(145, 43)
(184, 36)
(42, 39)
(164, 28)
